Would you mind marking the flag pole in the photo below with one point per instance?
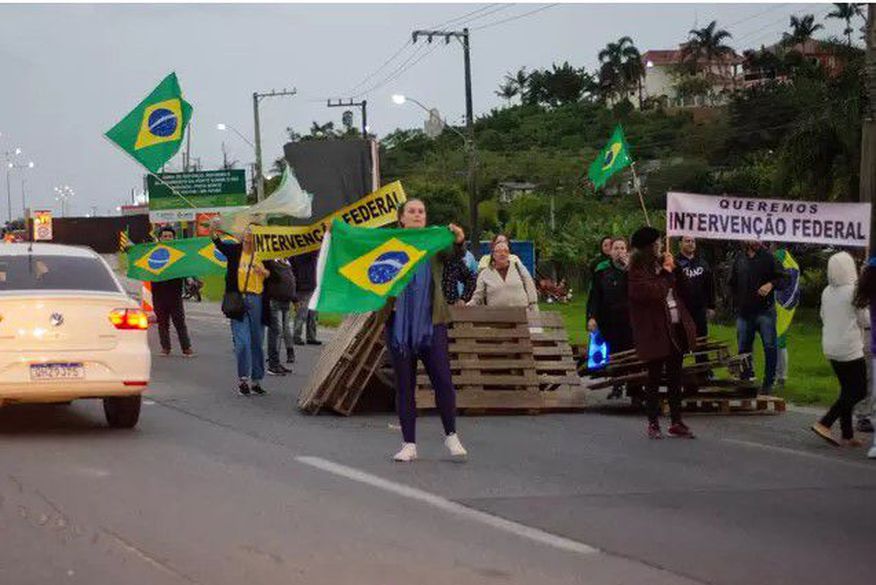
(638, 187)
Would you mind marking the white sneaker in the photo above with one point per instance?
(872, 452)
(407, 454)
(454, 446)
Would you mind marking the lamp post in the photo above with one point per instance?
(10, 166)
(469, 145)
(256, 97)
(63, 193)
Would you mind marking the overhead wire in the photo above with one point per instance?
(513, 18)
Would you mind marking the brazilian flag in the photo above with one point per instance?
(153, 131)
(787, 297)
(614, 157)
(360, 268)
(158, 261)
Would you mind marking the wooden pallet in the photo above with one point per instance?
(554, 362)
(346, 365)
(755, 405)
(491, 360)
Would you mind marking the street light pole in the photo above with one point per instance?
(464, 38)
(256, 96)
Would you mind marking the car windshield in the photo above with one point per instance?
(47, 272)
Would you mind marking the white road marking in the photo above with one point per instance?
(790, 451)
(446, 505)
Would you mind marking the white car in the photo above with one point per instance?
(68, 330)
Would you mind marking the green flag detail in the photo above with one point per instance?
(614, 157)
(157, 261)
(360, 268)
(153, 131)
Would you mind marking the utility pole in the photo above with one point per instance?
(256, 96)
(363, 105)
(867, 189)
(463, 37)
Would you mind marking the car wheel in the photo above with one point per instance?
(122, 412)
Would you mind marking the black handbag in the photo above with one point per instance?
(233, 305)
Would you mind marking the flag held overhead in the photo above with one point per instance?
(613, 158)
(153, 131)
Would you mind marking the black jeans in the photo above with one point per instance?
(165, 315)
(852, 377)
(671, 365)
(278, 330)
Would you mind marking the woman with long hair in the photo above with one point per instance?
(417, 331)
(663, 330)
(842, 342)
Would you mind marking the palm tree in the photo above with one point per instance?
(507, 90)
(802, 29)
(705, 45)
(846, 11)
(620, 68)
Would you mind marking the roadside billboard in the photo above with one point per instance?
(222, 191)
(42, 225)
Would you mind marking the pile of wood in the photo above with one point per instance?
(346, 366)
(503, 360)
(711, 380)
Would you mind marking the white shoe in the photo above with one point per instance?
(872, 452)
(454, 446)
(407, 454)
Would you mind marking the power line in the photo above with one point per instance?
(758, 13)
(418, 55)
(513, 18)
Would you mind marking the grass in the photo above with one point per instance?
(810, 378)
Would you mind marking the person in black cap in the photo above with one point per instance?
(663, 330)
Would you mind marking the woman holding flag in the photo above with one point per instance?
(417, 329)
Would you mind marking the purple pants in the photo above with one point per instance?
(437, 364)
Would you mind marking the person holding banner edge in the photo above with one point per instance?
(754, 276)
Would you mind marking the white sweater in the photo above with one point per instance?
(842, 333)
(516, 290)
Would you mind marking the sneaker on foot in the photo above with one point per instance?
(654, 431)
(298, 341)
(407, 454)
(285, 370)
(243, 388)
(257, 389)
(824, 432)
(290, 359)
(165, 352)
(188, 352)
(852, 443)
(872, 453)
(865, 425)
(277, 370)
(314, 342)
(680, 430)
(455, 447)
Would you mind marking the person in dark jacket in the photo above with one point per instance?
(754, 276)
(245, 274)
(604, 253)
(168, 303)
(663, 329)
(458, 281)
(699, 285)
(304, 267)
(279, 295)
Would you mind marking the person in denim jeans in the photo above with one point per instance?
(754, 276)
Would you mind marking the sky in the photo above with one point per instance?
(69, 72)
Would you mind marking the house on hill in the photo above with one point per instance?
(665, 79)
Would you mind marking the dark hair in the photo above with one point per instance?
(865, 291)
(602, 241)
(167, 228)
(644, 258)
(620, 239)
(496, 237)
(401, 208)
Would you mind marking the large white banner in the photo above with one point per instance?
(770, 220)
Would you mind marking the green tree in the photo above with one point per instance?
(705, 46)
(846, 11)
(621, 69)
(802, 30)
(507, 91)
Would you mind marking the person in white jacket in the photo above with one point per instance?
(843, 345)
(505, 283)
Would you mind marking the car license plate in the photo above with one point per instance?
(57, 371)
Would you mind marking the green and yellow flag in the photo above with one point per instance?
(614, 157)
(153, 131)
(360, 268)
(788, 296)
(157, 261)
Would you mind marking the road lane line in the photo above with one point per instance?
(446, 505)
(789, 451)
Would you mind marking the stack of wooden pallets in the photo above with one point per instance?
(346, 365)
(704, 388)
(554, 361)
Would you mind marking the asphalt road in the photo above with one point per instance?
(215, 488)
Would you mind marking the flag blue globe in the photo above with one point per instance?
(159, 258)
(162, 122)
(387, 266)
